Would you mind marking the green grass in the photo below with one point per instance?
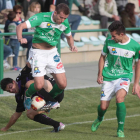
(79, 105)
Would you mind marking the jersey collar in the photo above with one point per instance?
(125, 42)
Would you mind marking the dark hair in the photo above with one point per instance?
(117, 26)
(129, 9)
(4, 82)
(11, 15)
(17, 7)
(62, 8)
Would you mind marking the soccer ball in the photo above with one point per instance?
(37, 103)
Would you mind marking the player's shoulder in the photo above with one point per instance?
(134, 42)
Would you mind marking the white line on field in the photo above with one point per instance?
(65, 124)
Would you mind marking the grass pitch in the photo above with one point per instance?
(78, 110)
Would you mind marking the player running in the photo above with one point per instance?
(115, 73)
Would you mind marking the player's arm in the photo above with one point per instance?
(71, 43)
(136, 87)
(100, 69)
(12, 121)
(19, 29)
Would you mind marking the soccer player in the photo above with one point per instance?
(43, 55)
(9, 85)
(115, 73)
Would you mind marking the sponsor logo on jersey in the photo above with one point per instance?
(123, 83)
(125, 79)
(56, 58)
(102, 94)
(36, 70)
(114, 50)
(34, 18)
(49, 25)
(59, 65)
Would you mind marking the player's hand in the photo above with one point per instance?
(23, 40)
(100, 79)
(4, 129)
(73, 49)
(136, 90)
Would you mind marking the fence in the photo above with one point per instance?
(58, 46)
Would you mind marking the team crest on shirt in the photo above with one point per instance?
(56, 58)
(49, 25)
(114, 50)
(102, 94)
(36, 70)
(126, 54)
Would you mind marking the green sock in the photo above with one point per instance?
(121, 113)
(31, 90)
(100, 113)
(55, 91)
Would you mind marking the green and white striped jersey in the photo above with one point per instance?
(46, 30)
(119, 60)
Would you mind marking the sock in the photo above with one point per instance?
(45, 95)
(55, 91)
(121, 113)
(43, 119)
(101, 113)
(31, 90)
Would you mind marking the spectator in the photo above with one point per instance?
(108, 12)
(7, 51)
(121, 5)
(92, 9)
(6, 4)
(34, 8)
(129, 18)
(18, 10)
(14, 43)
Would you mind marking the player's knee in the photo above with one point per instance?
(62, 85)
(103, 107)
(39, 86)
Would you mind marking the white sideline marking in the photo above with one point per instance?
(65, 124)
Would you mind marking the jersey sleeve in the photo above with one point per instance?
(105, 50)
(34, 20)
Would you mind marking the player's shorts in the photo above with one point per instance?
(110, 88)
(45, 61)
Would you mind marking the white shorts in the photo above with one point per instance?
(110, 88)
(45, 61)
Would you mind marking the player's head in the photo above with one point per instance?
(117, 31)
(9, 85)
(61, 13)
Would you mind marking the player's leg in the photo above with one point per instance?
(43, 119)
(122, 88)
(60, 84)
(102, 108)
(56, 68)
(107, 93)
